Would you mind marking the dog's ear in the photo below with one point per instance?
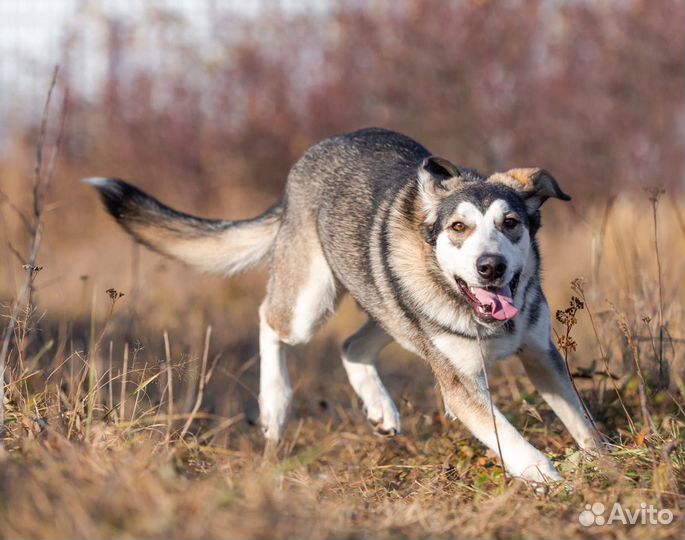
(534, 185)
(437, 178)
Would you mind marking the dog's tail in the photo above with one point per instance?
(211, 245)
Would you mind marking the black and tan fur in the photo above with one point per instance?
(362, 214)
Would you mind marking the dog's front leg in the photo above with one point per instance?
(467, 399)
(545, 368)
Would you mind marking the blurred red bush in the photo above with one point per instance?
(591, 91)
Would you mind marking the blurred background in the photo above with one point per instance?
(206, 105)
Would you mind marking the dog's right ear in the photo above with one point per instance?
(437, 178)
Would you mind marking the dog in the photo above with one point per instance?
(442, 259)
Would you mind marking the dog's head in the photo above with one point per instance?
(482, 229)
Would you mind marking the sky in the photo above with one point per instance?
(32, 31)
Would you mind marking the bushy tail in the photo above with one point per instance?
(211, 245)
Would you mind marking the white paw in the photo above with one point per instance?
(596, 445)
(383, 414)
(528, 463)
(273, 411)
(379, 407)
(540, 471)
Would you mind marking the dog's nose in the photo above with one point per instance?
(491, 266)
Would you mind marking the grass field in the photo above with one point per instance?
(134, 415)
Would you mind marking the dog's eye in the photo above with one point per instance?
(458, 226)
(510, 223)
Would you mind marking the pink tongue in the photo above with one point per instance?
(501, 303)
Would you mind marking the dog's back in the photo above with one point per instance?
(345, 186)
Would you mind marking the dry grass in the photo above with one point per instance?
(80, 461)
(122, 477)
(124, 419)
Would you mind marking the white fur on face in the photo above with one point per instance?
(485, 238)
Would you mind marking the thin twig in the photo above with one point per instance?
(577, 286)
(598, 242)
(202, 382)
(654, 195)
(622, 321)
(40, 188)
(678, 215)
(492, 406)
(22, 217)
(665, 453)
(170, 386)
(122, 390)
(110, 391)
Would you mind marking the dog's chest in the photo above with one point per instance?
(468, 354)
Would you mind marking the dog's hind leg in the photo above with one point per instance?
(302, 292)
(275, 390)
(359, 353)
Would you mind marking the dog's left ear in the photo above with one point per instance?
(534, 185)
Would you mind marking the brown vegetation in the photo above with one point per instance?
(126, 417)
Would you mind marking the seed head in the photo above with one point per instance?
(114, 294)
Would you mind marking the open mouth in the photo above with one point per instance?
(491, 304)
